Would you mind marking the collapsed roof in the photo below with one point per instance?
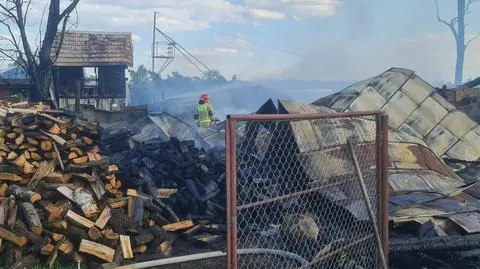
(413, 108)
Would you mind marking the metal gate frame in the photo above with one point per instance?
(231, 171)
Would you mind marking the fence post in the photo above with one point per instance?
(231, 171)
(382, 180)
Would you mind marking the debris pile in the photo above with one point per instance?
(61, 197)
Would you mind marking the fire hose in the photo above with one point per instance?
(215, 254)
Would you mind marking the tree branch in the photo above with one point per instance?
(26, 12)
(450, 25)
(68, 9)
(62, 35)
(467, 7)
(472, 39)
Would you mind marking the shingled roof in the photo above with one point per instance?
(94, 49)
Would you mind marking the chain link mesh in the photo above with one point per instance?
(298, 192)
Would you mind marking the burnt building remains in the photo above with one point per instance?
(91, 67)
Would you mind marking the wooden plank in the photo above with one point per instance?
(182, 225)
(82, 221)
(67, 192)
(126, 247)
(100, 251)
(103, 218)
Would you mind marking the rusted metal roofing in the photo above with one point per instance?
(89, 49)
(423, 189)
(414, 108)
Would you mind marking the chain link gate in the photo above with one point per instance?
(294, 190)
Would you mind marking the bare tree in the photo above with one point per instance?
(36, 61)
(457, 27)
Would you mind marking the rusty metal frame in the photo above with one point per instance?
(231, 170)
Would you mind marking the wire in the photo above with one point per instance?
(233, 36)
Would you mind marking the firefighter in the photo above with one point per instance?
(204, 112)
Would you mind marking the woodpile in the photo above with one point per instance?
(61, 198)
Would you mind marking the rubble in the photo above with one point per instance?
(61, 197)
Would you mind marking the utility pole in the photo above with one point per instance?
(154, 41)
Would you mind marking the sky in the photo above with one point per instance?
(330, 40)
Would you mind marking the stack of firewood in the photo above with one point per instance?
(59, 197)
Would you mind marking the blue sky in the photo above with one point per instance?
(295, 39)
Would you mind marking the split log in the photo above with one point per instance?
(120, 222)
(22, 229)
(103, 218)
(118, 202)
(11, 212)
(55, 138)
(97, 250)
(84, 199)
(84, 167)
(55, 129)
(35, 156)
(32, 218)
(67, 192)
(109, 234)
(72, 155)
(15, 239)
(98, 188)
(79, 220)
(56, 212)
(118, 257)
(165, 248)
(28, 168)
(182, 225)
(138, 211)
(80, 160)
(19, 140)
(166, 193)
(77, 150)
(12, 155)
(66, 247)
(58, 225)
(24, 194)
(159, 219)
(47, 249)
(126, 247)
(20, 160)
(3, 189)
(54, 236)
(10, 177)
(32, 141)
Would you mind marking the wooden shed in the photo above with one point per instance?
(94, 63)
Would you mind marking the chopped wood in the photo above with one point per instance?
(20, 160)
(72, 155)
(27, 155)
(65, 191)
(77, 151)
(3, 154)
(55, 138)
(112, 168)
(46, 145)
(12, 156)
(28, 168)
(32, 218)
(24, 194)
(11, 212)
(103, 218)
(108, 233)
(47, 249)
(91, 156)
(182, 225)
(165, 248)
(85, 167)
(32, 149)
(45, 168)
(32, 141)
(10, 177)
(166, 193)
(23, 146)
(79, 220)
(126, 247)
(56, 212)
(55, 129)
(3, 189)
(140, 249)
(80, 160)
(5, 148)
(84, 199)
(94, 233)
(66, 247)
(54, 236)
(97, 250)
(131, 206)
(59, 224)
(59, 157)
(98, 188)
(19, 140)
(12, 135)
(57, 120)
(36, 156)
(135, 193)
(11, 237)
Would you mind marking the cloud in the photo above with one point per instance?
(297, 8)
(215, 52)
(237, 41)
(264, 14)
(136, 37)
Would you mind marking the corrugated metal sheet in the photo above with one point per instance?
(414, 110)
(94, 49)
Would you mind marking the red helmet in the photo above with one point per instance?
(204, 97)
